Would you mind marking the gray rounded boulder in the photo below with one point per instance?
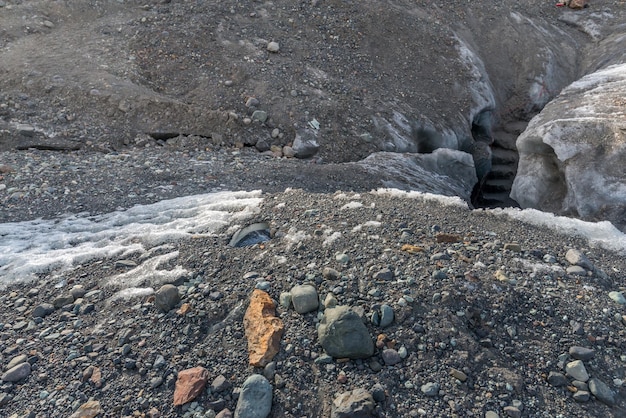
(166, 297)
(255, 398)
(304, 298)
(342, 334)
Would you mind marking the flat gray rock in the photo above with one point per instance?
(17, 373)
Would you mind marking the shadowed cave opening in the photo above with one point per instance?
(495, 158)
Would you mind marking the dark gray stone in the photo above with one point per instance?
(305, 144)
(582, 353)
(384, 274)
(17, 373)
(600, 390)
(581, 396)
(391, 357)
(386, 316)
(378, 392)
(43, 310)
(557, 379)
(342, 334)
(166, 297)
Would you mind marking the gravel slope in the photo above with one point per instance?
(503, 316)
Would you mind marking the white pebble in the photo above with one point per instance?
(273, 46)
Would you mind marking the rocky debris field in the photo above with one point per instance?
(457, 313)
(361, 304)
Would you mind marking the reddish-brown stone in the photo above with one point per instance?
(447, 238)
(263, 329)
(96, 377)
(578, 4)
(189, 384)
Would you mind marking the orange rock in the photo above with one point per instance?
(189, 384)
(263, 329)
(380, 340)
(184, 309)
(411, 249)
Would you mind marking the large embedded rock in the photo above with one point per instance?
(306, 144)
(572, 154)
(263, 329)
(342, 334)
(167, 297)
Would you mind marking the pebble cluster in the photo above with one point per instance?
(455, 313)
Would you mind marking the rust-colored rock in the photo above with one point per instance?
(578, 4)
(263, 329)
(89, 409)
(448, 238)
(185, 308)
(189, 384)
(96, 377)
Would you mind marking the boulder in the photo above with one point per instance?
(262, 328)
(572, 154)
(305, 145)
(304, 298)
(166, 297)
(190, 384)
(17, 373)
(342, 334)
(444, 171)
(255, 398)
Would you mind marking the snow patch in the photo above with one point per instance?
(598, 234)
(444, 200)
(352, 205)
(331, 239)
(42, 246)
(293, 237)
